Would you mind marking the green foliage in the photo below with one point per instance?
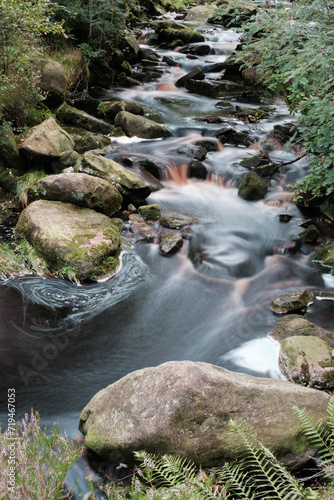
(321, 436)
(258, 473)
(42, 459)
(96, 25)
(24, 184)
(23, 25)
(292, 46)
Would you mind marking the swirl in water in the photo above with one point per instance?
(81, 303)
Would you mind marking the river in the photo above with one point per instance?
(61, 343)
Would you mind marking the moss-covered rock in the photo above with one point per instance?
(169, 31)
(184, 408)
(130, 184)
(80, 189)
(9, 152)
(46, 142)
(326, 257)
(72, 116)
(52, 81)
(134, 125)
(111, 108)
(208, 144)
(308, 361)
(86, 141)
(200, 13)
(299, 326)
(252, 187)
(150, 212)
(310, 234)
(292, 301)
(71, 237)
(327, 207)
(197, 169)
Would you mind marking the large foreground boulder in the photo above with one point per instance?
(46, 142)
(128, 183)
(184, 407)
(80, 189)
(68, 236)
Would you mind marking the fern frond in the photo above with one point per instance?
(236, 483)
(331, 417)
(317, 434)
(261, 470)
(172, 471)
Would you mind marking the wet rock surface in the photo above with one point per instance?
(307, 360)
(175, 221)
(292, 302)
(170, 243)
(183, 408)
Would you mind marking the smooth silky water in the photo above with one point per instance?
(61, 343)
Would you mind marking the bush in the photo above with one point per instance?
(41, 461)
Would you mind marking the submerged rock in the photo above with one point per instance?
(142, 231)
(252, 187)
(134, 125)
(292, 301)
(184, 408)
(307, 360)
(71, 237)
(170, 243)
(229, 135)
(214, 89)
(80, 189)
(175, 221)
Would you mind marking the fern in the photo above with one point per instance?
(172, 471)
(261, 472)
(318, 435)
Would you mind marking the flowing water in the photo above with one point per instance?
(61, 343)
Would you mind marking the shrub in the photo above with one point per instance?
(292, 45)
(42, 460)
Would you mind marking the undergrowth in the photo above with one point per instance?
(42, 459)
